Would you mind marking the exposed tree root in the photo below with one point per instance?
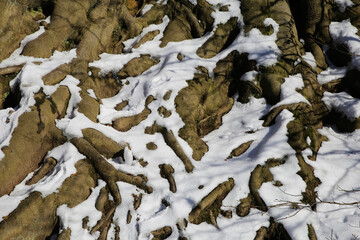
(259, 175)
(107, 171)
(102, 199)
(124, 124)
(137, 66)
(162, 233)
(65, 234)
(240, 149)
(35, 134)
(307, 174)
(15, 23)
(137, 201)
(104, 145)
(202, 104)
(48, 165)
(224, 34)
(311, 232)
(103, 224)
(11, 69)
(35, 217)
(172, 143)
(166, 171)
(209, 207)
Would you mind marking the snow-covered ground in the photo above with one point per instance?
(337, 164)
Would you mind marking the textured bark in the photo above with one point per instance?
(94, 27)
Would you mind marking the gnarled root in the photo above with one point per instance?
(208, 208)
(107, 171)
(48, 165)
(172, 143)
(166, 171)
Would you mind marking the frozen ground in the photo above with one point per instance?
(337, 164)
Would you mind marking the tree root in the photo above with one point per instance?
(162, 233)
(172, 143)
(10, 70)
(104, 145)
(259, 175)
(107, 171)
(311, 232)
(307, 174)
(240, 149)
(106, 218)
(33, 137)
(35, 217)
(137, 66)
(124, 124)
(137, 201)
(65, 234)
(201, 107)
(48, 165)
(166, 171)
(209, 207)
(217, 42)
(102, 199)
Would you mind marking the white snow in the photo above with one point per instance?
(345, 33)
(343, 4)
(310, 59)
(288, 93)
(337, 165)
(344, 103)
(331, 74)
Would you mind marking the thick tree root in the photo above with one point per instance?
(209, 207)
(240, 149)
(259, 175)
(107, 171)
(222, 36)
(48, 165)
(274, 231)
(34, 136)
(166, 171)
(162, 233)
(16, 22)
(10, 70)
(102, 200)
(106, 218)
(201, 107)
(137, 66)
(65, 234)
(104, 145)
(172, 143)
(35, 217)
(307, 174)
(126, 123)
